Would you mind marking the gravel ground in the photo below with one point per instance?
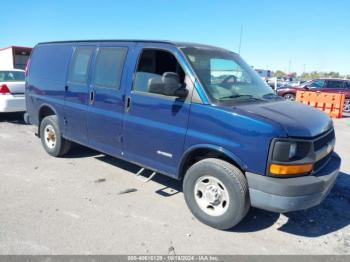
(90, 203)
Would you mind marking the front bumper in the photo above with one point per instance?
(12, 103)
(290, 194)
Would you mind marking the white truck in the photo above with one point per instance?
(14, 57)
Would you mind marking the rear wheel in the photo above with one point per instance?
(346, 107)
(289, 97)
(51, 139)
(216, 192)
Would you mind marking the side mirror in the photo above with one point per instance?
(305, 87)
(181, 92)
(168, 84)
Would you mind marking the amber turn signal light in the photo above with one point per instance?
(290, 170)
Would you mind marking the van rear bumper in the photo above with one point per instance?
(290, 194)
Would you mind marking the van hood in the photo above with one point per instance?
(298, 120)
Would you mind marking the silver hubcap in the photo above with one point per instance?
(50, 136)
(289, 97)
(211, 195)
(347, 106)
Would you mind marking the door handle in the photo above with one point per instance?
(91, 96)
(66, 88)
(127, 103)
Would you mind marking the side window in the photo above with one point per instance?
(317, 84)
(49, 61)
(79, 65)
(154, 63)
(334, 84)
(109, 67)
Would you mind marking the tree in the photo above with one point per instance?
(311, 75)
(279, 74)
(315, 74)
(332, 74)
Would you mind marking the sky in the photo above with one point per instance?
(277, 34)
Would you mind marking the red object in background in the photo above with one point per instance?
(339, 86)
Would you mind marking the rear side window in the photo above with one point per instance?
(334, 84)
(50, 62)
(79, 66)
(11, 76)
(109, 67)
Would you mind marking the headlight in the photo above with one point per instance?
(289, 157)
(292, 150)
(284, 151)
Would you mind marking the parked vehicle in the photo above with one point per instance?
(192, 112)
(292, 84)
(12, 97)
(320, 85)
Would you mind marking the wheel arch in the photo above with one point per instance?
(199, 152)
(346, 105)
(44, 111)
(289, 93)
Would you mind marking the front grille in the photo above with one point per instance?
(318, 144)
(324, 140)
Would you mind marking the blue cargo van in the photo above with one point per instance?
(193, 112)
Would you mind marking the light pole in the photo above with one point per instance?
(240, 40)
(289, 66)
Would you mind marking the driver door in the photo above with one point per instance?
(155, 125)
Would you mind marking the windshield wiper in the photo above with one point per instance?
(250, 97)
(270, 96)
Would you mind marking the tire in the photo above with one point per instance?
(51, 138)
(231, 184)
(289, 97)
(346, 108)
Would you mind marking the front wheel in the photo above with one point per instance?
(289, 97)
(216, 192)
(51, 138)
(346, 107)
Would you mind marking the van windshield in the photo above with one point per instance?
(226, 77)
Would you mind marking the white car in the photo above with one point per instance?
(12, 97)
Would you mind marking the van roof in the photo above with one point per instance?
(175, 43)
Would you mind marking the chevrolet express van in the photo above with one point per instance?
(193, 112)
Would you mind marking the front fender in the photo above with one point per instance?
(219, 149)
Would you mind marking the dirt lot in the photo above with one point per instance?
(89, 203)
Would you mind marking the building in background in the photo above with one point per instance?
(14, 57)
(265, 74)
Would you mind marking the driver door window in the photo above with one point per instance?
(154, 63)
